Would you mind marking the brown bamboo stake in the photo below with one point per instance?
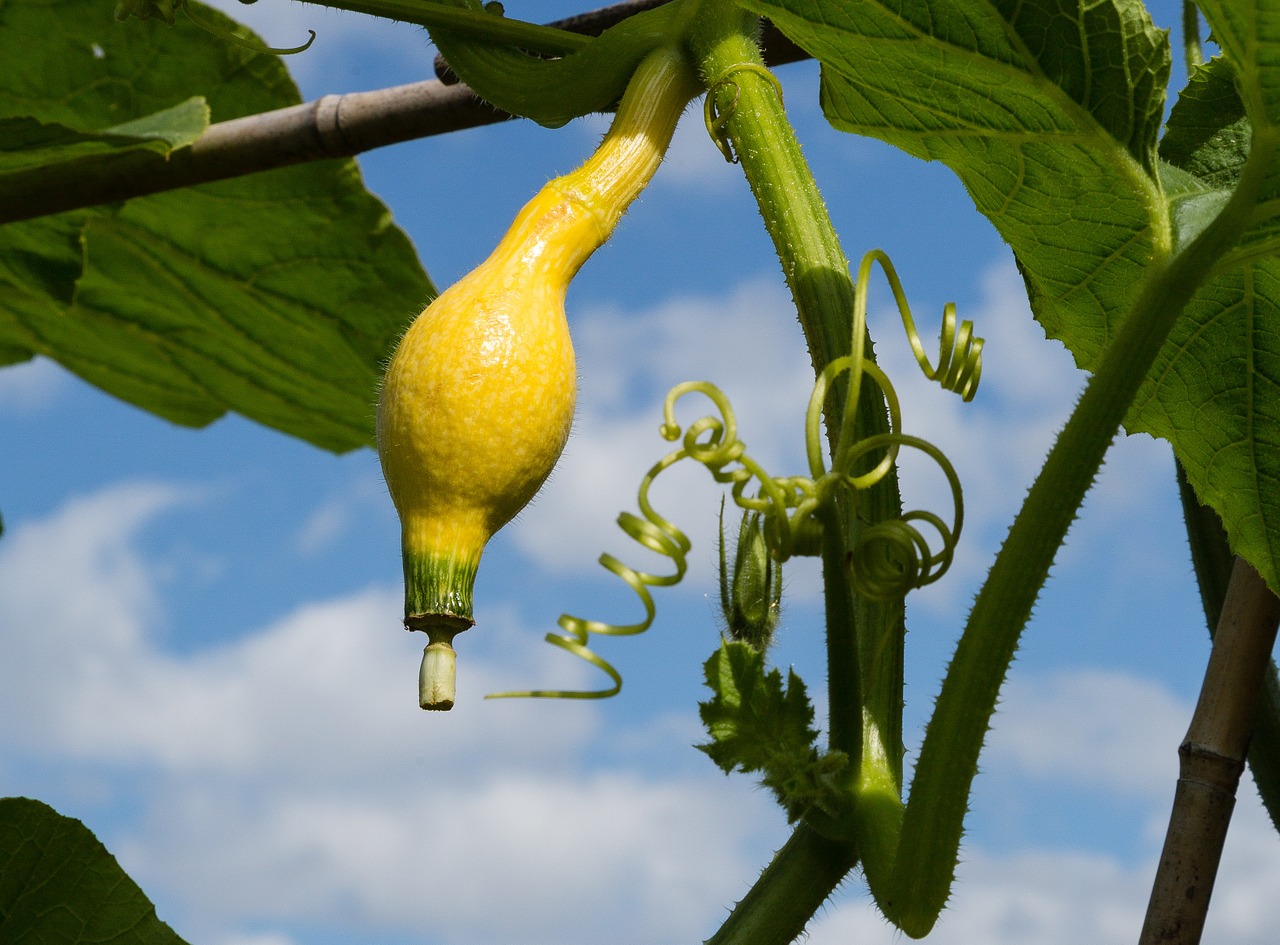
(330, 127)
(1212, 759)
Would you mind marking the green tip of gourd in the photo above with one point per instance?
(438, 585)
(437, 600)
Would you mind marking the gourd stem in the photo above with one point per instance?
(817, 272)
(438, 674)
(572, 216)
(789, 892)
(756, 129)
(638, 137)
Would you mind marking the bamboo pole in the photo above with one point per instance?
(1212, 759)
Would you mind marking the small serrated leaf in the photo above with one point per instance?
(759, 724)
(1207, 133)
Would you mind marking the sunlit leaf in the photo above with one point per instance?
(277, 295)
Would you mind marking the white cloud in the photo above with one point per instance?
(333, 518)
(534, 857)
(1113, 735)
(31, 386)
(82, 562)
(320, 691)
(288, 782)
(288, 778)
(1103, 730)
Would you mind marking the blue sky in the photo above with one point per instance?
(204, 658)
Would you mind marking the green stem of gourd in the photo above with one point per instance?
(789, 892)
(817, 272)
(915, 850)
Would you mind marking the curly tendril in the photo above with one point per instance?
(714, 119)
(888, 560)
(167, 10)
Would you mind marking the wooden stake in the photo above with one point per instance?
(1212, 759)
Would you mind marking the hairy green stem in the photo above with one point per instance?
(816, 269)
(817, 272)
(926, 853)
(1191, 35)
(789, 892)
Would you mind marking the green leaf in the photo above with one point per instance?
(1248, 32)
(554, 91)
(1208, 134)
(1215, 389)
(277, 295)
(28, 145)
(758, 724)
(58, 884)
(1048, 112)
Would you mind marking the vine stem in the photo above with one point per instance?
(910, 862)
(753, 121)
(1212, 760)
(790, 891)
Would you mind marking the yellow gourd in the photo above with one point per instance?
(479, 396)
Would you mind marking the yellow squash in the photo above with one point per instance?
(479, 396)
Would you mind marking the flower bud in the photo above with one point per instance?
(750, 595)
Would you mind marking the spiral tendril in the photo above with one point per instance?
(715, 119)
(167, 10)
(889, 558)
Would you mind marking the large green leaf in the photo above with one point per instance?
(58, 884)
(276, 295)
(1047, 111)
(1215, 391)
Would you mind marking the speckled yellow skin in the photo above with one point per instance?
(478, 400)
